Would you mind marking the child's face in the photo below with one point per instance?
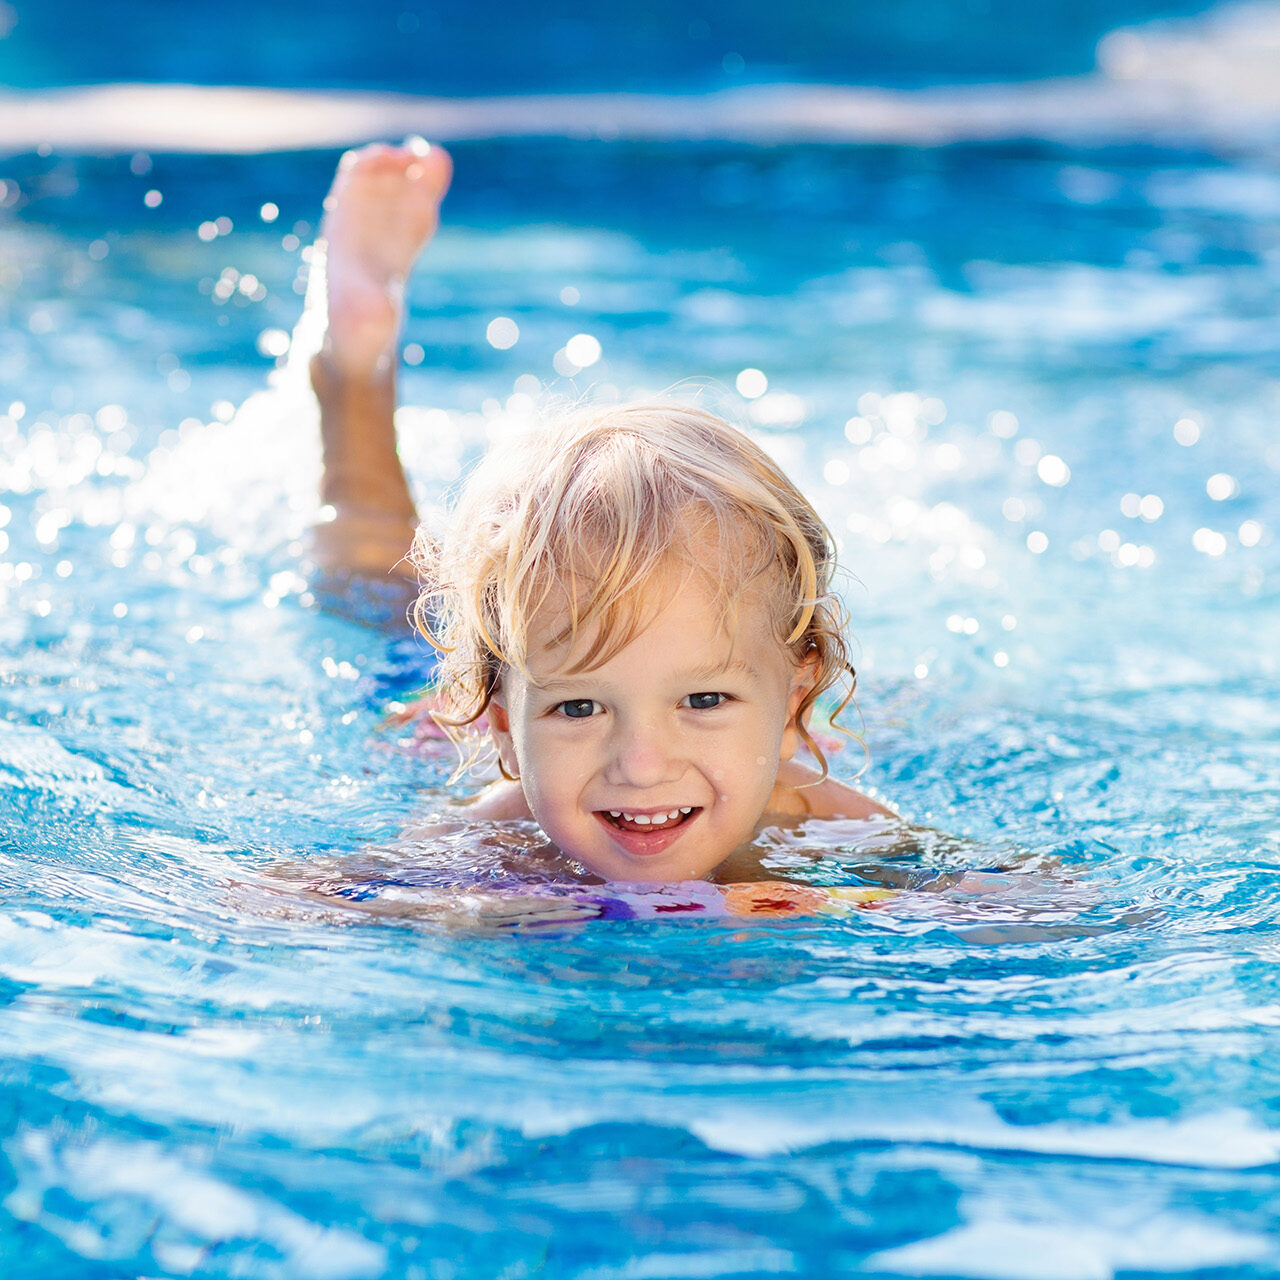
(685, 721)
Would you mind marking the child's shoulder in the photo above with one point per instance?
(498, 802)
(803, 792)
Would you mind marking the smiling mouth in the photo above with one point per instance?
(648, 823)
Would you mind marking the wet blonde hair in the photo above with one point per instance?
(581, 514)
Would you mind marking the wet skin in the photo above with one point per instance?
(658, 764)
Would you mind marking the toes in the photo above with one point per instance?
(416, 160)
(375, 158)
(433, 164)
(371, 151)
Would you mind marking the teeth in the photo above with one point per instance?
(650, 819)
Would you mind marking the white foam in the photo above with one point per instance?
(175, 1203)
(1228, 1139)
(1209, 80)
(31, 757)
(1003, 1248)
(704, 1263)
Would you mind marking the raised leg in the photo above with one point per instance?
(379, 214)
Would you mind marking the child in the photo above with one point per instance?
(637, 600)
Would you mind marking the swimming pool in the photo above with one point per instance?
(1032, 386)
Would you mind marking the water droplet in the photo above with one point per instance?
(1186, 431)
(273, 342)
(502, 333)
(857, 431)
(583, 350)
(1208, 541)
(1003, 424)
(1220, 487)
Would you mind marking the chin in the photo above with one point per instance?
(657, 871)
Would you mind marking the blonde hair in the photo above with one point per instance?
(582, 514)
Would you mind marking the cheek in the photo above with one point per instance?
(550, 775)
(767, 741)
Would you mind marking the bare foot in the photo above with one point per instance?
(380, 212)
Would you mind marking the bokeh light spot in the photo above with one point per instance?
(583, 350)
(502, 333)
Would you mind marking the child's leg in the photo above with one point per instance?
(380, 213)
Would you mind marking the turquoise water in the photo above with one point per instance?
(626, 45)
(1033, 389)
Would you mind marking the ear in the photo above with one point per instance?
(806, 675)
(500, 732)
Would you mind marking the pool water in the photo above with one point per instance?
(1033, 388)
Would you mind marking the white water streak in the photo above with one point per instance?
(1209, 81)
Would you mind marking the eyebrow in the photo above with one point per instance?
(709, 670)
(692, 675)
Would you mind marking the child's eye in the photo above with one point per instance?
(577, 708)
(704, 701)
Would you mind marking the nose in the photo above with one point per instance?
(641, 756)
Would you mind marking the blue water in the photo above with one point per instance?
(204, 1071)
(414, 46)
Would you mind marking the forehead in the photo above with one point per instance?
(681, 617)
